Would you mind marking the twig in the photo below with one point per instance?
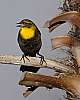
(34, 61)
(71, 17)
(70, 83)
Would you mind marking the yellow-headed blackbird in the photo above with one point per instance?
(29, 39)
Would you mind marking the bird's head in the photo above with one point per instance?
(27, 29)
(25, 23)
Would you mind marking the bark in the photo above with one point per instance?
(72, 17)
(72, 42)
(34, 61)
(70, 83)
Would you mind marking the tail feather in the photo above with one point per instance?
(29, 68)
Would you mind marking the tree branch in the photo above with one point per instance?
(72, 42)
(72, 17)
(70, 83)
(34, 61)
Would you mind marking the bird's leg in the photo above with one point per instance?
(42, 59)
(22, 58)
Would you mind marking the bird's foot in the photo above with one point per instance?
(22, 58)
(42, 59)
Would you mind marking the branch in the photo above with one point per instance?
(34, 61)
(72, 17)
(70, 83)
(63, 40)
(73, 43)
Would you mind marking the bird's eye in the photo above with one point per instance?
(28, 25)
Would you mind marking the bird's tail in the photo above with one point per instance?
(29, 68)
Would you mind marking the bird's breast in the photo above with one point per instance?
(27, 33)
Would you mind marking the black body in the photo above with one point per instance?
(30, 47)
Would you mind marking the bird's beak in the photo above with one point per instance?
(18, 23)
(18, 26)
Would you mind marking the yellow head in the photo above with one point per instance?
(27, 29)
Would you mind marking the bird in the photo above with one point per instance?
(29, 40)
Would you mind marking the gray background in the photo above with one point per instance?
(12, 11)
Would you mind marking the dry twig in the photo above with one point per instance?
(70, 83)
(72, 17)
(34, 61)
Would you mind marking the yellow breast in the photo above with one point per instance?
(27, 33)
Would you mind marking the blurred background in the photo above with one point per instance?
(12, 11)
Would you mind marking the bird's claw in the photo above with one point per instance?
(42, 60)
(22, 58)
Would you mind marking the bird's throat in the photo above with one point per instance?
(27, 33)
